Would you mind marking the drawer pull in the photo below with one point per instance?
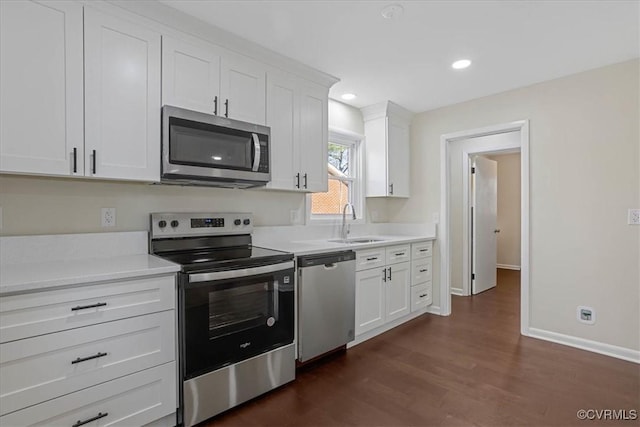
(84, 307)
(400, 254)
(424, 250)
(423, 295)
(424, 270)
(97, 417)
(372, 259)
(84, 359)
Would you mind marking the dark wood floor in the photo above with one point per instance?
(471, 368)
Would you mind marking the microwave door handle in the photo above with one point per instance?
(256, 152)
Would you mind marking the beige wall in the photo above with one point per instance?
(584, 175)
(43, 205)
(508, 209)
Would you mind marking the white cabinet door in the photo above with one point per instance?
(370, 300)
(41, 75)
(398, 160)
(314, 130)
(190, 76)
(242, 89)
(376, 157)
(122, 99)
(397, 288)
(283, 117)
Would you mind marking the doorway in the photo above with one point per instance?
(456, 149)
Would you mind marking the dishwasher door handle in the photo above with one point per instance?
(331, 266)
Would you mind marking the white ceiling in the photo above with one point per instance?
(408, 60)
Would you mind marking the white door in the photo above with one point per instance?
(190, 76)
(397, 289)
(122, 99)
(242, 89)
(314, 137)
(283, 114)
(41, 117)
(370, 296)
(484, 224)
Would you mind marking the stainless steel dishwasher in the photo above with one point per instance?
(326, 302)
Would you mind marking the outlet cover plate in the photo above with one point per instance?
(586, 315)
(633, 217)
(108, 217)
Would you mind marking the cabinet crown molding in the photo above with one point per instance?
(386, 109)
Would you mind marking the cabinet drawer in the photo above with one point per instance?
(133, 400)
(421, 296)
(41, 368)
(370, 258)
(39, 313)
(421, 250)
(396, 254)
(420, 271)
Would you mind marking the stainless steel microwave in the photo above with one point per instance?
(204, 149)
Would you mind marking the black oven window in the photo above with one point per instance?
(239, 308)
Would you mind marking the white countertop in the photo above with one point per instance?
(37, 276)
(308, 247)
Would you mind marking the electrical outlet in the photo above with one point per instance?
(294, 216)
(108, 216)
(633, 217)
(586, 315)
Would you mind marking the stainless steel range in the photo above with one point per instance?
(235, 310)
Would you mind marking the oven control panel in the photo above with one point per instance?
(200, 224)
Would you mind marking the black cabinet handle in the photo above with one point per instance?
(424, 270)
(372, 259)
(391, 189)
(97, 417)
(75, 160)
(93, 160)
(389, 273)
(384, 274)
(423, 295)
(215, 105)
(84, 359)
(84, 307)
(400, 254)
(226, 108)
(305, 180)
(424, 250)
(298, 180)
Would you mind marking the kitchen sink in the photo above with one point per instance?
(357, 240)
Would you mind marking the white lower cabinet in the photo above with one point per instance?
(87, 353)
(382, 292)
(421, 266)
(133, 400)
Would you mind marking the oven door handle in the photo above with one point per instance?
(256, 152)
(244, 272)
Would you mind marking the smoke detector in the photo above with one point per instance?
(392, 11)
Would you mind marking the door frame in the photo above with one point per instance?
(445, 228)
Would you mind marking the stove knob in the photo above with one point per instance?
(247, 221)
(162, 224)
(237, 222)
(174, 223)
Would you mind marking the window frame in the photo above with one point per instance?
(357, 179)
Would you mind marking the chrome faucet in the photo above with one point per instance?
(345, 227)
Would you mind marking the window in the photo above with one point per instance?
(345, 178)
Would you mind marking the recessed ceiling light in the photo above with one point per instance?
(392, 11)
(348, 96)
(462, 63)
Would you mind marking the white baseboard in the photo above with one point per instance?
(508, 266)
(457, 291)
(623, 353)
(433, 309)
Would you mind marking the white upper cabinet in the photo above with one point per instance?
(386, 127)
(297, 113)
(242, 89)
(41, 123)
(190, 76)
(122, 98)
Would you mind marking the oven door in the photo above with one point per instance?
(232, 315)
(205, 146)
